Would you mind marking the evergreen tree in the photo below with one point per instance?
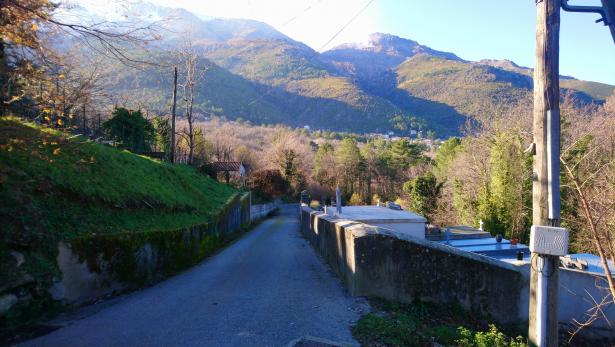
(445, 155)
(349, 166)
(405, 154)
(163, 134)
(423, 193)
(131, 130)
(505, 202)
(324, 166)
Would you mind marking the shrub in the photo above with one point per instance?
(423, 193)
(491, 338)
(269, 183)
(400, 331)
(131, 130)
(355, 200)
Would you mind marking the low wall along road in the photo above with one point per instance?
(382, 263)
(261, 211)
(99, 265)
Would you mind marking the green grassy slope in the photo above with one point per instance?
(55, 187)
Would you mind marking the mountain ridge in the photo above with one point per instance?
(351, 87)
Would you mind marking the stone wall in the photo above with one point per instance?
(382, 263)
(99, 265)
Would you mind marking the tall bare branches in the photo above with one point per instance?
(588, 163)
(33, 32)
(192, 74)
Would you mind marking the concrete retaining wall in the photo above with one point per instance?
(376, 262)
(99, 265)
(263, 210)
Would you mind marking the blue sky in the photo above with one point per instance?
(474, 30)
(480, 29)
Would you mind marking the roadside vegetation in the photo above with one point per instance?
(423, 324)
(56, 187)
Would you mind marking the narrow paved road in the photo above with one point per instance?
(266, 289)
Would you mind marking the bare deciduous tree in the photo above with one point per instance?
(191, 74)
(588, 163)
(28, 46)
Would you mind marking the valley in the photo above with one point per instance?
(253, 72)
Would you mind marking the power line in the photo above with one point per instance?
(347, 24)
(328, 42)
(305, 10)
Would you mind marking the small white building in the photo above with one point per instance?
(405, 222)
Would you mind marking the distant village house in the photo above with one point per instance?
(226, 169)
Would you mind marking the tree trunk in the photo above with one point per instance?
(173, 115)
(191, 144)
(85, 122)
(4, 79)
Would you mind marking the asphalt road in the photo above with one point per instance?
(266, 289)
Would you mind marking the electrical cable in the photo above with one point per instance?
(347, 24)
(305, 10)
(544, 272)
(325, 45)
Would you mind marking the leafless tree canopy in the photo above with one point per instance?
(191, 74)
(42, 65)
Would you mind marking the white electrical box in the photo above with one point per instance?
(549, 240)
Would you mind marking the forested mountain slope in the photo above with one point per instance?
(255, 72)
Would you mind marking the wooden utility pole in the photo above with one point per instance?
(173, 115)
(543, 329)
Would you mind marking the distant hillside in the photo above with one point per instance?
(416, 78)
(180, 25)
(323, 103)
(259, 74)
(596, 90)
(471, 89)
(380, 53)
